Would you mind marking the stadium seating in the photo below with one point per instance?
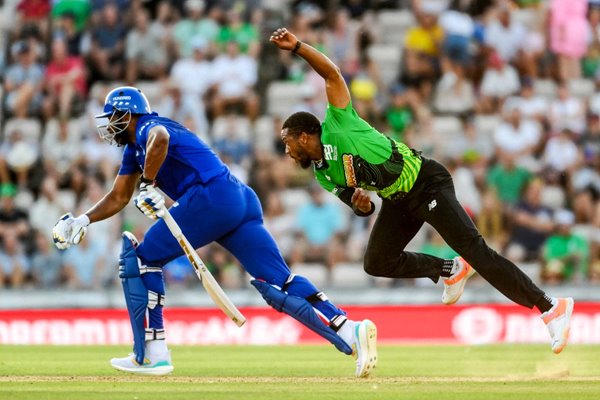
(349, 275)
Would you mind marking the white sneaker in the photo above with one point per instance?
(364, 348)
(558, 320)
(160, 365)
(455, 284)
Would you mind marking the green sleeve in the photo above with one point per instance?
(326, 184)
(344, 119)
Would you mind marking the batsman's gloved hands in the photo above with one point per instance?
(69, 230)
(150, 201)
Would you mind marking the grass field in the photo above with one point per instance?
(306, 372)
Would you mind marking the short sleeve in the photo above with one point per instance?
(336, 118)
(129, 164)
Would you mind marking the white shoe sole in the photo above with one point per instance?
(156, 371)
(367, 338)
(565, 337)
(461, 289)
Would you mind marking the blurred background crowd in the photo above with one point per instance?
(504, 93)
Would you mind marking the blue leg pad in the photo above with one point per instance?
(136, 295)
(301, 310)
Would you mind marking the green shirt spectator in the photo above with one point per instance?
(80, 9)
(244, 35)
(564, 253)
(508, 180)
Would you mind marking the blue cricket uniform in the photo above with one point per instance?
(211, 205)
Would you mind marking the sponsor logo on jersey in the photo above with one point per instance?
(349, 170)
(330, 152)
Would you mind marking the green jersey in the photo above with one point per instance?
(356, 155)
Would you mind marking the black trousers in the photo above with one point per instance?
(433, 200)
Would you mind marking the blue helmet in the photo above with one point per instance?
(119, 105)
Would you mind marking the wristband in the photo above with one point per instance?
(146, 180)
(364, 214)
(297, 47)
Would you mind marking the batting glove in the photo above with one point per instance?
(69, 230)
(150, 201)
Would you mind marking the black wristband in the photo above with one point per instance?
(364, 214)
(297, 47)
(146, 180)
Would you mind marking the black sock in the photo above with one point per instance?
(544, 303)
(447, 268)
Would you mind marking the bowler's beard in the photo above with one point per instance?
(305, 163)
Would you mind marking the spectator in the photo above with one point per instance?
(279, 222)
(194, 77)
(569, 33)
(13, 220)
(141, 63)
(505, 35)
(399, 114)
(243, 33)
(561, 152)
(67, 31)
(320, 225)
(14, 265)
(235, 76)
(48, 207)
(421, 52)
(231, 136)
(341, 43)
(567, 112)
(500, 80)
(179, 272)
(532, 107)
(454, 93)
(23, 83)
(518, 139)
(60, 147)
(472, 148)
(46, 262)
(194, 26)
(565, 255)
(508, 180)
(108, 45)
(531, 222)
(18, 156)
(32, 15)
(65, 82)
(84, 265)
(459, 29)
(81, 9)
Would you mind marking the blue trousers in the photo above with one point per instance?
(228, 212)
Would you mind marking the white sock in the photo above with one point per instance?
(156, 347)
(346, 332)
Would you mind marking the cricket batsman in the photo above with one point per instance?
(210, 205)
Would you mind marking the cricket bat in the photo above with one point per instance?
(208, 281)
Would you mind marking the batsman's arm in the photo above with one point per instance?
(338, 94)
(116, 199)
(156, 151)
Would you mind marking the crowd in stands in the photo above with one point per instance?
(504, 93)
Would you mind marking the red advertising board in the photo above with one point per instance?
(466, 324)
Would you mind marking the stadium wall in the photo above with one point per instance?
(460, 324)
